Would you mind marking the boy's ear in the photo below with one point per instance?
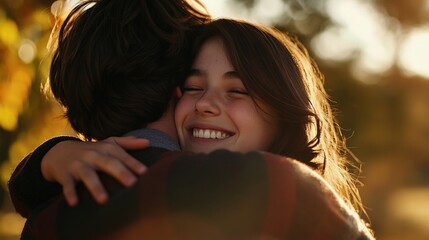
(178, 92)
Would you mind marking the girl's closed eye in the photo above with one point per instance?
(240, 91)
(193, 83)
(191, 89)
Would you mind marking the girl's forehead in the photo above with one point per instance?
(212, 56)
(213, 43)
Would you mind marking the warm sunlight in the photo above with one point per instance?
(414, 53)
(373, 55)
(361, 32)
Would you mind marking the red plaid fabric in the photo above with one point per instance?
(221, 195)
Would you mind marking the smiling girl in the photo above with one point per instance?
(254, 88)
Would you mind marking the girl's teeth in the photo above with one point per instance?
(218, 134)
(200, 133)
(206, 134)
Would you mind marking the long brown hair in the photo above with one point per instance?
(278, 71)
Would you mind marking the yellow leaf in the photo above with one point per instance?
(15, 91)
(9, 33)
(8, 118)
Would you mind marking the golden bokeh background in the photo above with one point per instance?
(375, 57)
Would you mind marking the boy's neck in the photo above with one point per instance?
(166, 123)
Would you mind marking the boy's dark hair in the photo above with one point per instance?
(117, 62)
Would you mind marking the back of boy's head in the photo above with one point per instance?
(117, 62)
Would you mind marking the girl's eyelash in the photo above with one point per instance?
(185, 89)
(194, 89)
(239, 91)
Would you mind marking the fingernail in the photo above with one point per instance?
(102, 197)
(72, 201)
(131, 181)
(141, 169)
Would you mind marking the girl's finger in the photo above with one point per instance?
(92, 182)
(69, 191)
(113, 167)
(117, 150)
(129, 161)
(130, 142)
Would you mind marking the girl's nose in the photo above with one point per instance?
(207, 105)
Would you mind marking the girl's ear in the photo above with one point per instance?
(178, 92)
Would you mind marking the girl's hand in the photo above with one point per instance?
(72, 161)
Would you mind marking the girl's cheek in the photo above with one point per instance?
(184, 107)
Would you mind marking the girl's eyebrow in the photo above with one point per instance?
(227, 75)
(231, 74)
(194, 72)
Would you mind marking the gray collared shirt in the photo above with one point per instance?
(156, 138)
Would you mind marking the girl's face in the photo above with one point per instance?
(215, 111)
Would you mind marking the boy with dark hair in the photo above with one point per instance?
(115, 70)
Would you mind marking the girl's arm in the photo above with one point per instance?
(27, 186)
(62, 161)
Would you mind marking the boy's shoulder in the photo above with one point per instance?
(219, 195)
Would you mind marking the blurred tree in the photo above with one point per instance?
(25, 113)
(409, 13)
